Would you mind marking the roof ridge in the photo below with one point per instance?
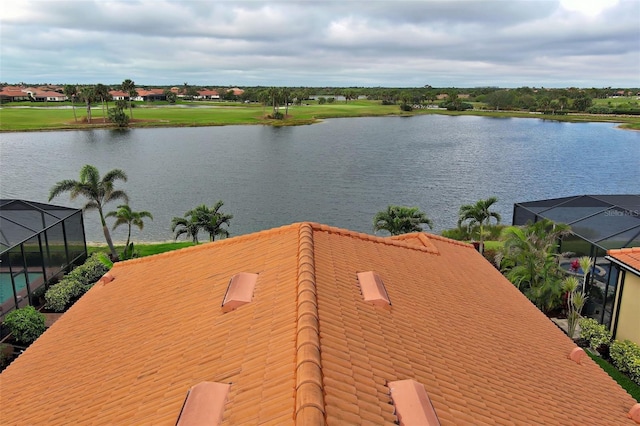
(309, 408)
(450, 241)
(372, 238)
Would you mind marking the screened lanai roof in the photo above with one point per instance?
(609, 221)
(21, 220)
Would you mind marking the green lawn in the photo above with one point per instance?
(15, 118)
(144, 249)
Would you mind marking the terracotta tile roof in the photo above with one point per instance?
(208, 92)
(628, 256)
(119, 93)
(308, 349)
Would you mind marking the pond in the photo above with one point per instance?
(339, 172)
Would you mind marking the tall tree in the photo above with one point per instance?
(286, 95)
(125, 216)
(401, 220)
(71, 91)
(129, 87)
(98, 191)
(264, 98)
(478, 214)
(102, 93)
(274, 96)
(88, 95)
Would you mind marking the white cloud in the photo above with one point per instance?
(317, 43)
(588, 7)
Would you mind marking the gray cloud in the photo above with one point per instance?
(317, 43)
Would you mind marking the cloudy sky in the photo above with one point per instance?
(461, 43)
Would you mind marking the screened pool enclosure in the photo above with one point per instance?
(38, 243)
(598, 223)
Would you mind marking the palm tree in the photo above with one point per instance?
(214, 220)
(88, 95)
(98, 191)
(186, 225)
(285, 92)
(129, 87)
(71, 92)
(478, 214)
(529, 259)
(400, 220)
(125, 216)
(275, 95)
(102, 92)
(202, 218)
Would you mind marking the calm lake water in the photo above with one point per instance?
(339, 172)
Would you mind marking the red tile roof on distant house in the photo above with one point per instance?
(147, 92)
(13, 92)
(308, 349)
(208, 93)
(118, 93)
(43, 94)
(627, 256)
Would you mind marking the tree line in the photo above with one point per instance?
(544, 100)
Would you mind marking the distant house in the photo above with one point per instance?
(208, 95)
(626, 315)
(13, 94)
(39, 96)
(119, 95)
(150, 95)
(309, 325)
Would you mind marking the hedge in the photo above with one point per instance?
(76, 283)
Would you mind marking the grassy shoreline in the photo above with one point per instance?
(29, 118)
(142, 249)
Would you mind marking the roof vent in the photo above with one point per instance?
(413, 406)
(240, 291)
(204, 404)
(106, 278)
(576, 355)
(373, 289)
(634, 413)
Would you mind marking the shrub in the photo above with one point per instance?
(90, 271)
(596, 333)
(626, 358)
(75, 284)
(25, 324)
(57, 297)
(459, 234)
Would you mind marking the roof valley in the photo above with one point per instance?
(309, 408)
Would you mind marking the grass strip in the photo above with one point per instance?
(143, 249)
